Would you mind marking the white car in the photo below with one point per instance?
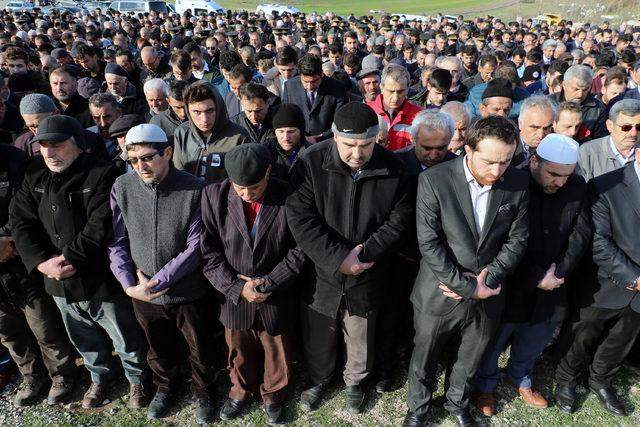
(198, 7)
(267, 8)
(140, 6)
(18, 6)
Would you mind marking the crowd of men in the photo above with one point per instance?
(426, 192)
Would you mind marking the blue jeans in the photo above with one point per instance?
(97, 326)
(5, 360)
(528, 340)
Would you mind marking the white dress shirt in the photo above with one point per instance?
(479, 197)
(637, 168)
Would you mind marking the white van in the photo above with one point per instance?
(138, 6)
(267, 8)
(198, 7)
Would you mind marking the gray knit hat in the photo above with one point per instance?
(36, 103)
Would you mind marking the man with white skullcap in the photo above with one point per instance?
(155, 255)
(537, 292)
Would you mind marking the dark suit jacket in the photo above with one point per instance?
(450, 245)
(227, 251)
(414, 167)
(616, 249)
(331, 96)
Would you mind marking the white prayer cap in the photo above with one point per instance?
(558, 148)
(145, 134)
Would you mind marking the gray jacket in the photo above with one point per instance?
(167, 121)
(595, 158)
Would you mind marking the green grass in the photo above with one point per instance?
(386, 410)
(362, 7)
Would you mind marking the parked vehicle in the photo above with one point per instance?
(267, 8)
(197, 7)
(140, 6)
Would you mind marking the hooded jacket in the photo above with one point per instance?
(205, 158)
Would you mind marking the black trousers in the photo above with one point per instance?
(395, 331)
(466, 331)
(161, 325)
(608, 335)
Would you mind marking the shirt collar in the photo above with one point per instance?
(623, 161)
(637, 168)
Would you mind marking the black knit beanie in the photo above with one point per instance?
(289, 116)
(355, 120)
(498, 87)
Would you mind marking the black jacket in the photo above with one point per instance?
(17, 287)
(330, 212)
(594, 114)
(616, 249)
(451, 246)
(559, 232)
(79, 108)
(266, 131)
(67, 213)
(282, 164)
(330, 96)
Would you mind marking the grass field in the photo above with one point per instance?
(386, 410)
(362, 7)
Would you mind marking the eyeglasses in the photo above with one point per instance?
(144, 159)
(627, 128)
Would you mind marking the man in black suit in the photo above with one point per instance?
(318, 96)
(471, 216)
(608, 322)
(252, 260)
(431, 132)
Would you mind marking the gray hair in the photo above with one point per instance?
(538, 101)
(581, 73)
(549, 43)
(99, 100)
(156, 85)
(457, 110)
(441, 60)
(628, 107)
(395, 72)
(432, 120)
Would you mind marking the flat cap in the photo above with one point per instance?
(59, 128)
(122, 124)
(247, 164)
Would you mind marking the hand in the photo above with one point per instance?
(7, 249)
(482, 291)
(57, 268)
(635, 288)
(351, 265)
(143, 290)
(550, 282)
(249, 291)
(448, 292)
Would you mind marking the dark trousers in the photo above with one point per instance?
(35, 334)
(161, 325)
(320, 336)
(394, 329)
(466, 330)
(528, 340)
(245, 348)
(608, 335)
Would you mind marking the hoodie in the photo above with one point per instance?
(205, 158)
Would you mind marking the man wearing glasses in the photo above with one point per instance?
(612, 152)
(155, 254)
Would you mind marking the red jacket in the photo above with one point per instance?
(400, 129)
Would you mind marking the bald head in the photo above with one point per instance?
(149, 58)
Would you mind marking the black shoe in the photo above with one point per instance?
(231, 409)
(414, 420)
(464, 419)
(159, 406)
(310, 397)
(610, 401)
(383, 385)
(565, 398)
(204, 410)
(274, 412)
(355, 398)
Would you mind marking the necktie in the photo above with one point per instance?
(310, 99)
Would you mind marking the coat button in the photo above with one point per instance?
(54, 207)
(546, 231)
(58, 237)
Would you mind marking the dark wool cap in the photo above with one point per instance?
(122, 125)
(532, 72)
(59, 128)
(498, 87)
(355, 120)
(59, 53)
(112, 68)
(87, 87)
(247, 164)
(288, 115)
